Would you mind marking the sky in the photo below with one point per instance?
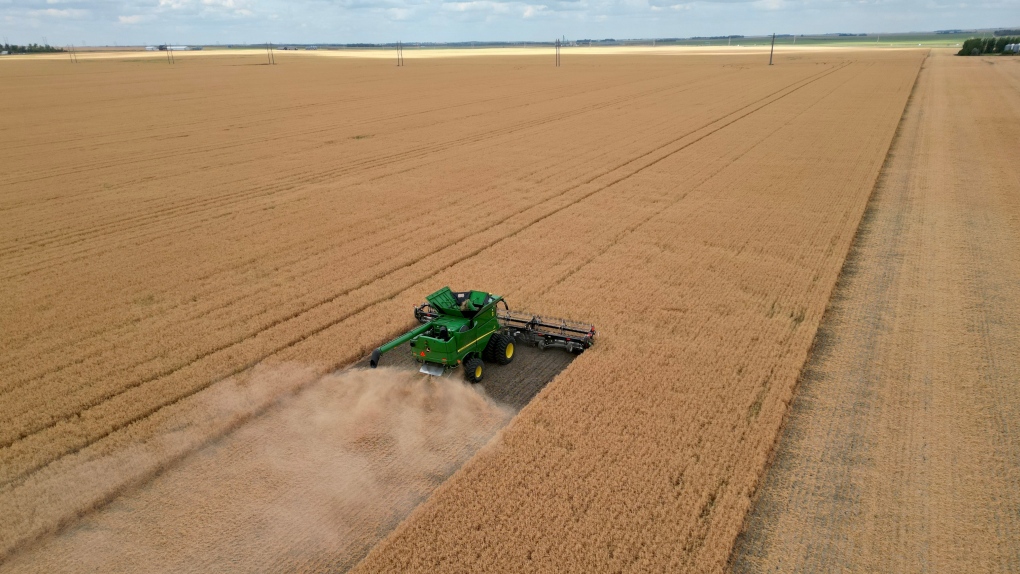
(137, 22)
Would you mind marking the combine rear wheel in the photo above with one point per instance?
(473, 370)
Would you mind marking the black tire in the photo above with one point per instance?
(500, 349)
(474, 370)
(489, 353)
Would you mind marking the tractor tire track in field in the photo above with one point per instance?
(555, 194)
(69, 418)
(569, 91)
(202, 151)
(319, 176)
(572, 93)
(130, 323)
(541, 121)
(187, 127)
(203, 206)
(671, 204)
(309, 250)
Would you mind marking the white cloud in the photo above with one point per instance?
(60, 13)
(400, 13)
(471, 6)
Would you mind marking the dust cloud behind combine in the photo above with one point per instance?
(316, 480)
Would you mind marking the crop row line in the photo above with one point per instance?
(669, 205)
(372, 229)
(318, 176)
(486, 245)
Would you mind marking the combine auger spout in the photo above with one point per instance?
(374, 361)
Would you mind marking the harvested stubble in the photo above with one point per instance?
(901, 453)
(171, 227)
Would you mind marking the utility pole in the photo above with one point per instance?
(773, 49)
(557, 52)
(400, 54)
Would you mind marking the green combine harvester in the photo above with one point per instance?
(467, 328)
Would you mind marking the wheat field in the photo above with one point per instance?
(171, 230)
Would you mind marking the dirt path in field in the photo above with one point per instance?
(902, 449)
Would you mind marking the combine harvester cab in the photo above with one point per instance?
(467, 328)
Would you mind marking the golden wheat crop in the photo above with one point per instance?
(169, 228)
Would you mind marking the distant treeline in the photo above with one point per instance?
(29, 49)
(978, 46)
(1007, 32)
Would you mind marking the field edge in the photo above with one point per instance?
(819, 341)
